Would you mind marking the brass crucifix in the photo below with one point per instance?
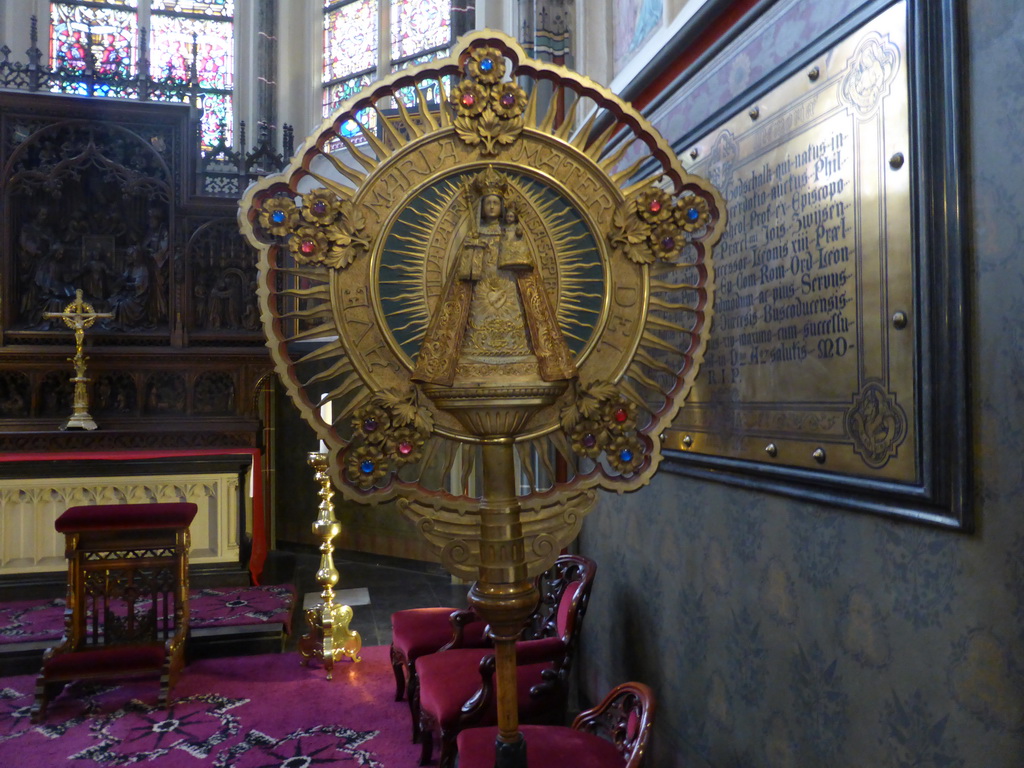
(79, 315)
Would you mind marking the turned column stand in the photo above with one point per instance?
(504, 595)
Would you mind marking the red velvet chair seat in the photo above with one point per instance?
(444, 687)
(122, 660)
(613, 734)
(547, 746)
(456, 687)
(120, 517)
(419, 631)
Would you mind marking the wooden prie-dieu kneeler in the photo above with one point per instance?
(127, 599)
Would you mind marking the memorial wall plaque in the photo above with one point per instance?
(814, 361)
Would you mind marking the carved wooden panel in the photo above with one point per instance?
(94, 196)
(28, 508)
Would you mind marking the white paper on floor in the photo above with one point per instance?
(349, 597)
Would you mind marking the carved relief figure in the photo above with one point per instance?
(156, 246)
(134, 302)
(50, 289)
(94, 279)
(14, 389)
(494, 311)
(225, 303)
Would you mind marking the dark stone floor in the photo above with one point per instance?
(393, 584)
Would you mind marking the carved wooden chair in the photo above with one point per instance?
(614, 734)
(456, 686)
(417, 632)
(127, 603)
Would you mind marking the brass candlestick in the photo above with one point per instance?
(329, 637)
(79, 315)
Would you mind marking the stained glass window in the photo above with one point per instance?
(172, 49)
(418, 26)
(223, 8)
(419, 31)
(101, 38)
(106, 37)
(350, 39)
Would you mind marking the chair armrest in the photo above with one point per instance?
(479, 700)
(469, 630)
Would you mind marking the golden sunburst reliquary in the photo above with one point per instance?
(486, 220)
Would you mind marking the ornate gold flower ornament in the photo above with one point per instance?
(364, 235)
(488, 111)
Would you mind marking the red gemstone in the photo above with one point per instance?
(508, 100)
(405, 448)
(655, 206)
(308, 246)
(468, 99)
(621, 414)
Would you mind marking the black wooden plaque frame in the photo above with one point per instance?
(942, 494)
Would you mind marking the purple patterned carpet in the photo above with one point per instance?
(35, 621)
(245, 712)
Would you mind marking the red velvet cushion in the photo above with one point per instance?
(549, 649)
(122, 660)
(547, 746)
(420, 630)
(126, 516)
(450, 678)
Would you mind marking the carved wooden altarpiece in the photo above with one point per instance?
(98, 195)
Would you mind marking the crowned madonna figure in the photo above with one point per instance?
(494, 318)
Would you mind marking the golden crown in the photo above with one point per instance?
(489, 182)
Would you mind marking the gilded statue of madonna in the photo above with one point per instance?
(494, 315)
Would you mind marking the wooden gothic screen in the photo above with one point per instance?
(98, 196)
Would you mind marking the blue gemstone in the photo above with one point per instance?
(486, 65)
(692, 214)
(277, 217)
(367, 466)
(626, 455)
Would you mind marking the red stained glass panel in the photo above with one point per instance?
(108, 35)
(171, 49)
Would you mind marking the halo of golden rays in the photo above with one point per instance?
(319, 321)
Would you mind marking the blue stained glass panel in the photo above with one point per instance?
(430, 87)
(335, 94)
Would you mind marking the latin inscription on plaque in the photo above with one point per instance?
(812, 353)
